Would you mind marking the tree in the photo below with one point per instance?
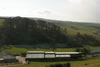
(85, 51)
(78, 50)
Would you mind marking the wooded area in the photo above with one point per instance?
(20, 31)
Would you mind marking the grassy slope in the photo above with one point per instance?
(83, 28)
(74, 27)
(24, 50)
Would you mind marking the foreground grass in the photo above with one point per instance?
(86, 63)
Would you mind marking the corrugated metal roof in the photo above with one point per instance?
(67, 53)
(62, 56)
(95, 51)
(49, 56)
(1, 59)
(6, 55)
(42, 54)
(49, 52)
(35, 56)
(9, 57)
(35, 52)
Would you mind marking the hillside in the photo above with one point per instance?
(1, 21)
(83, 28)
(47, 33)
(74, 27)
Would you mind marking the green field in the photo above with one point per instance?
(94, 62)
(83, 28)
(24, 50)
(86, 63)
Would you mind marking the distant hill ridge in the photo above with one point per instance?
(49, 33)
(72, 27)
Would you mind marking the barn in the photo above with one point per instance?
(51, 55)
(67, 55)
(6, 57)
(35, 55)
(62, 55)
(95, 52)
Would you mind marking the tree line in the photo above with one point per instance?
(21, 31)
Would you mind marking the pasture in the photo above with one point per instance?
(85, 63)
(15, 50)
(94, 62)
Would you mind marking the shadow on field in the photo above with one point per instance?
(53, 60)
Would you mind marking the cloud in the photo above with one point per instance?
(73, 10)
(83, 10)
(44, 12)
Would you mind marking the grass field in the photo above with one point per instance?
(24, 50)
(95, 62)
(86, 63)
(83, 28)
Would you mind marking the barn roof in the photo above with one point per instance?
(62, 56)
(1, 59)
(6, 55)
(95, 51)
(49, 56)
(67, 53)
(42, 54)
(35, 56)
(35, 52)
(49, 52)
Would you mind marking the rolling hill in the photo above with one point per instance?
(45, 32)
(72, 27)
(83, 28)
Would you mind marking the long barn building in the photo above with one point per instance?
(51, 55)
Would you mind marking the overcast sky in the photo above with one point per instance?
(70, 10)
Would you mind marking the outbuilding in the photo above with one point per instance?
(35, 55)
(6, 57)
(95, 52)
(50, 55)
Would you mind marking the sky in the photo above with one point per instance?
(67, 10)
